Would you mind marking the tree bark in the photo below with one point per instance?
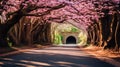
(4, 28)
(111, 39)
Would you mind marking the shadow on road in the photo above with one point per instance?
(50, 58)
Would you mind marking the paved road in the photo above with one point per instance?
(53, 57)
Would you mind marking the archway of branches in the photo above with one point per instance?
(26, 19)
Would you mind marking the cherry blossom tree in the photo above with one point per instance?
(11, 11)
(107, 34)
(100, 18)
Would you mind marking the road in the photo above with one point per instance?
(53, 57)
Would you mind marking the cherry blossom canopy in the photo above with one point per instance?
(81, 12)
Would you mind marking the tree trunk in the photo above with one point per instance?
(111, 39)
(117, 33)
(3, 36)
(4, 28)
(96, 30)
(100, 34)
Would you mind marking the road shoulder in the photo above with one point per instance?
(103, 55)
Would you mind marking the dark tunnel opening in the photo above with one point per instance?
(71, 40)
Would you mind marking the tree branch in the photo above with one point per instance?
(45, 12)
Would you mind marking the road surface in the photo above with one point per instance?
(53, 57)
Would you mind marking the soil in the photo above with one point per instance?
(18, 48)
(6, 50)
(100, 52)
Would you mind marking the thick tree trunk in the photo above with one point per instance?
(93, 35)
(100, 34)
(118, 32)
(90, 36)
(118, 35)
(48, 34)
(96, 31)
(105, 29)
(3, 36)
(111, 39)
(116, 42)
(4, 28)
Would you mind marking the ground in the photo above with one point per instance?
(99, 51)
(57, 56)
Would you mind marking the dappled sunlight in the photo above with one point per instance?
(7, 59)
(98, 51)
(23, 62)
(29, 28)
(53, 57)
(62, 62)
(1, 63)
(59, 50)
(36, 63)
(69, 63)
(26, 65)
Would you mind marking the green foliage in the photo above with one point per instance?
(58, 38)
(70, 29)
(73, 29)
(82, 38)
(9, 43)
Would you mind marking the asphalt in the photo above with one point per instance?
(64, 56)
